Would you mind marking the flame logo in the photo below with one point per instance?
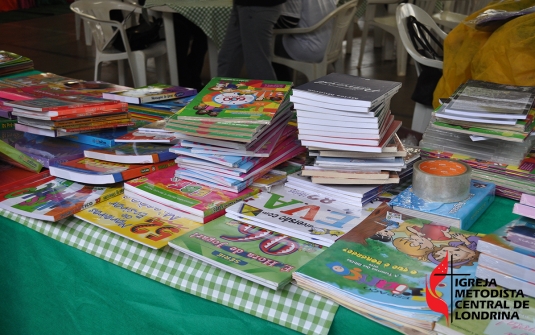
(432, 298)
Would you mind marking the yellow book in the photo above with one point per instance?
(138, 221)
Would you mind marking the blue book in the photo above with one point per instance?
(102, 138)
(460, 214)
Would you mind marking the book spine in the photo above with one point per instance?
(88, 114)
(159, 97)
(527, 199)
(467, 222)
(7, 124)
(524, 210)
(87, 108)
(96, 127)
(92, 140)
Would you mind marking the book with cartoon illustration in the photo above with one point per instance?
(256, 254)
(53, 199)
(514, 242)
(461, 214)
(185, 195)
(151, 226)
(238, 100)
(289, 212)
(387, 264)
(133, 153)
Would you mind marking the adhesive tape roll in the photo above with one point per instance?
(441, 180)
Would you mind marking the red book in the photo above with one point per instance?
(65, 116)
(56, 107)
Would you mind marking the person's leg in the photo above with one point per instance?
(283, 72)
(230, 58)
(182, 42)
(198, 49)
(257, 32)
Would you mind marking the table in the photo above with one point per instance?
(53, 284)
(211, 16)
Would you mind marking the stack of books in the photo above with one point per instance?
(346, 123)
(508, 255)
(11, 62)
(498, 153)
(380, 268)
(234, 132)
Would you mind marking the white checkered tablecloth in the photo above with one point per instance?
(291, 307)
(211, 16)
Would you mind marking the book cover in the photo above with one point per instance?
(494, 323)
(393, 178)
(33, 80)
(238, 100)
(103, 138)
(94, 171)
(256, 254)
(151, 226)
(524, 210)
(345, 89)
(225, 160)
(15, 157)
(139, 136)
(48, 150)
(507, 281)
(132, 153)
(55, 199)
(512, 242)
(386, 262)
(12, 176)
(163, 187)
(287, 212)
(212, 180)
(55, 106)
(460, 214)
(150, 93)
(172, 104)
(70, 89)
(512, 269)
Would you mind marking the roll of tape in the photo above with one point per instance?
(441, 180)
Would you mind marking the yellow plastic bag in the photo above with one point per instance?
(505, 56)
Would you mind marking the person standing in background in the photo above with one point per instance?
(303, 47)
(248, 39)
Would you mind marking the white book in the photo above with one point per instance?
(328, 129)
(334, 123)
(330, 117)
(354, 135)
(306, 105)
(486, 115)
(442, 115)
(358, 141)
(357, 162)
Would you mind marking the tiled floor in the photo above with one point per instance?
(51, 43)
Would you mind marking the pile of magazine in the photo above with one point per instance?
(11, 62)
(488, 126)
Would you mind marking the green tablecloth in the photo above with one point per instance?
(49, 287)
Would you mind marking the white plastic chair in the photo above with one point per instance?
(96, 14)
(388, 24)
(422, 114)
(341, 18)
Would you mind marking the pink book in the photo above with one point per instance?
(527, 199)
(524, 210)
(163, 187)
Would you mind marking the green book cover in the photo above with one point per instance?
(237, 100)
(217, 134)
(487, 132)
(15, 157)
(256, 254)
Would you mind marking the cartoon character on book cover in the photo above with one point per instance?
(389, 256)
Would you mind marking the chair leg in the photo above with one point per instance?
(401, 55)
(139, 72)
(370, 13)
(421, 117)
(349, 37)
(77, 23)
(339, 64)
(121, 72)
(87, 33)
(97, 68)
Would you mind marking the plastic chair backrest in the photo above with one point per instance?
(342, 19)
(97, 14)
(403, 11)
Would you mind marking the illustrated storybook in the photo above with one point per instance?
(514, 242)
(238, 100)
(150, 93)
(77, 104)
(133, 153)
(385, 264)
(286, 211)
(94, 171)
(55, 199)
(137, 221)
(511, 324)
(256, 254)
(163, 187)
(460, 214)
(345, 89)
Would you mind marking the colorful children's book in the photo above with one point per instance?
(347, 90)
(137, 221)
(33, 80)
(15, 157)
(495, 322)
(256, 254)
(172, 104)
(225, 160)
(55, 199)
(238, 100)
(184, 195)
(94, 171)
(48, 150)
(71, 89)
(292, 214)
(55, 107)
(133, 153)
(460, 214)
(150, 93)
(103, 138)
(138, 136)
(388, 263)
(514, 242)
